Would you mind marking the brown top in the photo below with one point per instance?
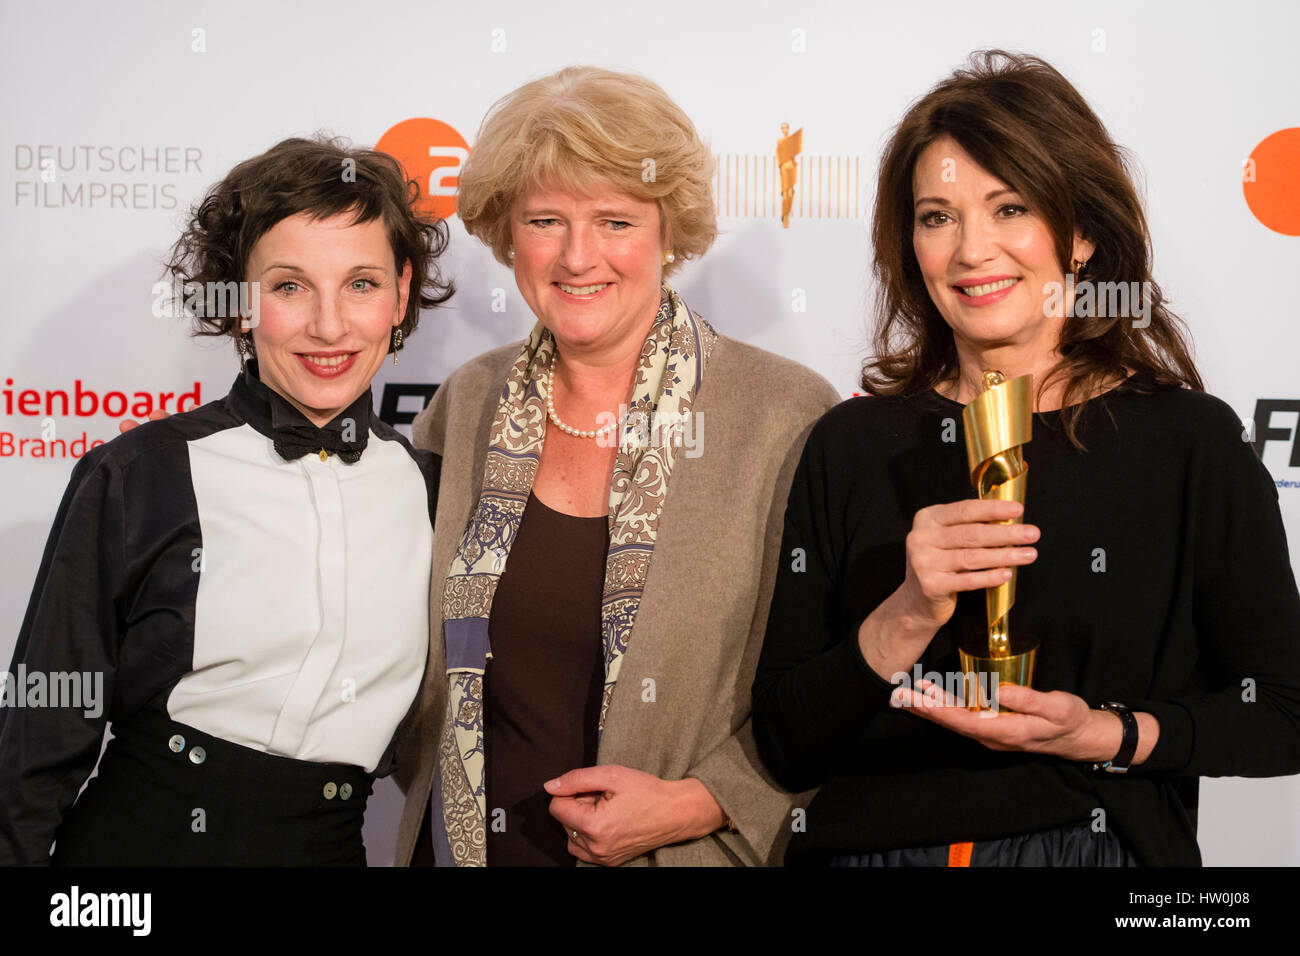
(682, 701)
(543, 683)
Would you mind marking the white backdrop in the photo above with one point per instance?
(141, 106)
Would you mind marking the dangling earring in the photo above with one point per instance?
(397, 343)
(241, 344)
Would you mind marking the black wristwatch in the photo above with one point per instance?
(1128, 746)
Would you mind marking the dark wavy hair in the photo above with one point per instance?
(307, 175)
(1027, 125)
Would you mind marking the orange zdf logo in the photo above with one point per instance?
(1270, 178)
(432, 153)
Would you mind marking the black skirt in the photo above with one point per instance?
(169, 795)
(1075, 844)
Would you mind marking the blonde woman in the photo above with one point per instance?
(600, 578)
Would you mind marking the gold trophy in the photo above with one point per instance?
(998, 423)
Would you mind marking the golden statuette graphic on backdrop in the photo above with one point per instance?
(998, 423)
(788, 147)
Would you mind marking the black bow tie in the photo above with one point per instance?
(291, 431)
(294, 441)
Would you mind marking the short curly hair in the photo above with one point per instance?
(323, 176)
(584, 127)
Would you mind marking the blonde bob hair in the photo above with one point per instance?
(584, 128)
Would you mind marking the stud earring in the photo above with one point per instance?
(669, 258)
(397, 343)
(511, 255)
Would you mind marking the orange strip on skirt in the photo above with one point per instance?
(959, 854)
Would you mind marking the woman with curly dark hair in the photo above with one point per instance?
(244, 581)
(1154, 576)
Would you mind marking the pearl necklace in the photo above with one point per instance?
(568, 430)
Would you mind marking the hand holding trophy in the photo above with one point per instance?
(998, 423)
(998, 667)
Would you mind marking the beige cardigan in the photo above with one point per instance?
(702, 615)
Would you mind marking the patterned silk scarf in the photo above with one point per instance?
(668, 379)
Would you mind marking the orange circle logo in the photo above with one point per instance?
(1271, 181)
(432, 153)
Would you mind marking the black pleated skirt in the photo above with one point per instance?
(169, 795)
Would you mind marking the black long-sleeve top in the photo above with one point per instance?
(201, 568)
(1162, 581)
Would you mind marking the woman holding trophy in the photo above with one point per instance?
(1156, 614)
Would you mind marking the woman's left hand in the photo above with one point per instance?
(1054, 722)
(619, 813)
